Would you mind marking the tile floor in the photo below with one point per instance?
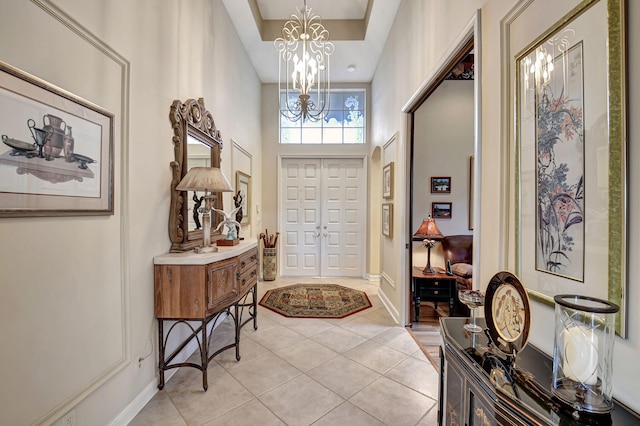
(359, 370)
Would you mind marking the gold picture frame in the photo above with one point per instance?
(243, 185)
(387, 181)
(574, 44)
(387, 220)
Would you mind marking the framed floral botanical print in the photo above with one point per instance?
(568, 83)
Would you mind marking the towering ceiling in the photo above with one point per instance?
(358, 28)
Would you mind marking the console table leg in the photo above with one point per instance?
(161, 349)
(255, 306)
(237, 322)
(203, 355)
(417, 301)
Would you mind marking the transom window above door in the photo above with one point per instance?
(344, 124)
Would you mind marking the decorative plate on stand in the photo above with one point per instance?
(507, 312)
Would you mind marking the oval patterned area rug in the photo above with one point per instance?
(315, 301)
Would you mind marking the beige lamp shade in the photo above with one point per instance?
(205, 179)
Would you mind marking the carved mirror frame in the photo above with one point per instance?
(190, 119)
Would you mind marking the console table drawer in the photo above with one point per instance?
(435, 292)
(435, 285)
(248, 279)
(248, 261)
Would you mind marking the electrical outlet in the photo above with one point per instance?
(68, 419)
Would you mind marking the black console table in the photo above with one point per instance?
(479, 386)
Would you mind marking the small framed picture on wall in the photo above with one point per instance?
(387, 220)
(441, 210)
(387, 181)
(243, 196)
(441, 184)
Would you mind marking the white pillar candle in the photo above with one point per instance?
(581, 355)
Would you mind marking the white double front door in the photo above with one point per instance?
(322, 216)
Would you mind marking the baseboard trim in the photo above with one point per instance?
(132, 410)
(147, 394)
(374, 278)
(389, 306)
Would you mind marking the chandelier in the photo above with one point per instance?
(303, 67)
(541, 68)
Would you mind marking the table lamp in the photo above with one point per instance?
(210, 180)
(429, 234)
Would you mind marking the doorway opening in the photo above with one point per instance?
(441, 148)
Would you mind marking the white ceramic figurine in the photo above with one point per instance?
(229, 222)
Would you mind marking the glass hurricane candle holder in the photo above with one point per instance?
(474, 299)
(582, 352)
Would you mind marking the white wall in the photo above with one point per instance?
(77, 310)
(422, 31)
(390, 268)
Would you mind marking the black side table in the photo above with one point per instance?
(437, 287)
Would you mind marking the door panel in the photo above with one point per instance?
(343, 216)
(324, 215)
(301, 204)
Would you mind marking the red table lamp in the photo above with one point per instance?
(429, 234)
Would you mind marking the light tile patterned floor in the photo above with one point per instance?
(359, 370)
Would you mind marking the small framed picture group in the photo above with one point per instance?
(441, 185)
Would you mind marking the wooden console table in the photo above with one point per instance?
(479, 386)
(437, 287)
(192, 287)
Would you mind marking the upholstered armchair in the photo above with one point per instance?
(458, 250)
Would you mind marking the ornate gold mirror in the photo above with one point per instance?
(196, 142)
